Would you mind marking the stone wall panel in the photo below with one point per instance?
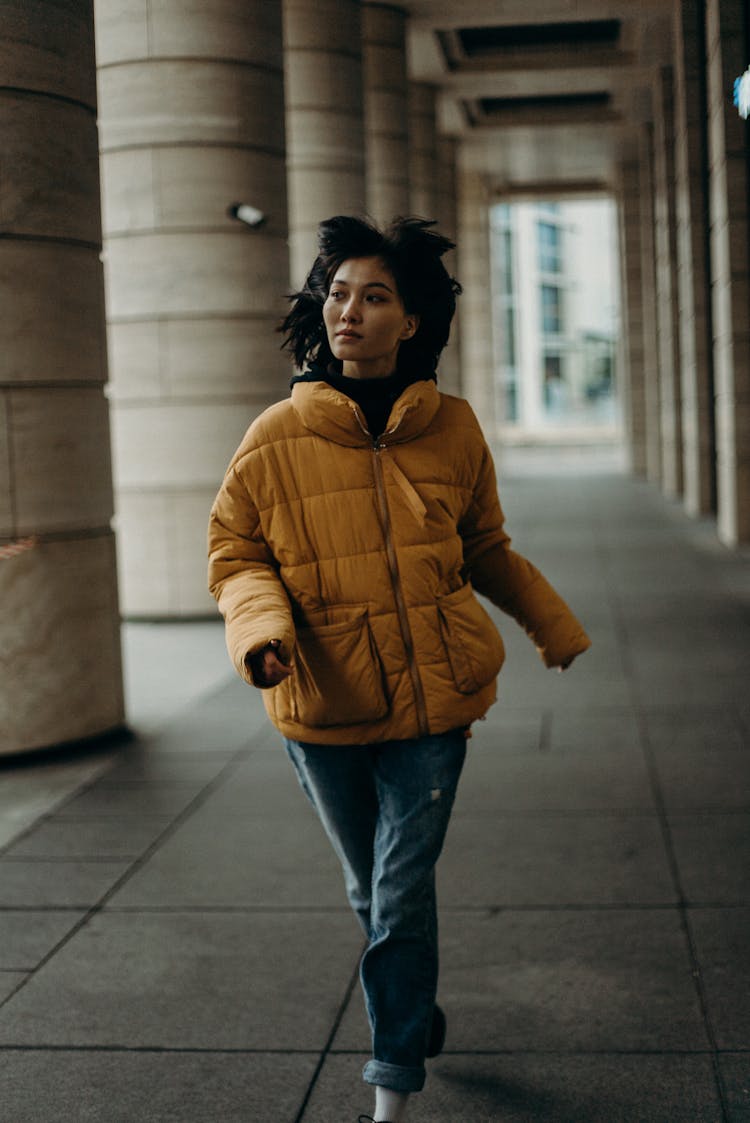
(167, 275)
(60, 662)
(52, 146)
(49, 48)
(192, 101)
(59, 440)
(64, 282)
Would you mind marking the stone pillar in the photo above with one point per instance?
(447, 216)
(693, 265)
(727, 36)
(667, 308)
(386, 110)
(60, 673)
(631, 269)
(324, 118)
(477, 366)
(648, 281)
(191, 122)
(423, 150)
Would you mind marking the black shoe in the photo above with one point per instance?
(436, 1040)
(368, 1119)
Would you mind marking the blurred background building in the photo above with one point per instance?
(138, 336)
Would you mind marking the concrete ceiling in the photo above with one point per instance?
(545, 96)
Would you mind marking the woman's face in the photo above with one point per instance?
(365, 318)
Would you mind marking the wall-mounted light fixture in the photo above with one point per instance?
(247, 213)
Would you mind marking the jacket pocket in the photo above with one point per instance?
(337, 677)
(475, 647)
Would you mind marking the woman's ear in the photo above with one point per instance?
(410, 327)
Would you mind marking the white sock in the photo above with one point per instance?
(390, 1105)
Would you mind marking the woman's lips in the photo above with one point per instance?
(348, 335)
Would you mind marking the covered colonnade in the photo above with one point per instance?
(138, 335)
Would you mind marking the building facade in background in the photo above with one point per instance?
(555, 319)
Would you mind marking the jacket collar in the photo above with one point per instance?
(333, 415)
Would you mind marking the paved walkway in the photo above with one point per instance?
(174, 940)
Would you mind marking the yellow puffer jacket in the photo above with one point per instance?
(363, 559)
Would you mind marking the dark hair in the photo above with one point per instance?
(412, 253)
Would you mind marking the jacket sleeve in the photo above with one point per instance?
(510, 581)
(243, 576)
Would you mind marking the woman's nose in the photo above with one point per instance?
(350, 311)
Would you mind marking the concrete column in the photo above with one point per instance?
(648, 281)
(60, 674)
(386, 110)
(693, 265)
(423, 150)
(447, 216)
(631, 287)
(667, 308)
(727, 36)
(191, 121)
(325, 120)
(477, 366)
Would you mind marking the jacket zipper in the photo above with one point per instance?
(403, 618)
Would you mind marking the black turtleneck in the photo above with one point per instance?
(374, 396)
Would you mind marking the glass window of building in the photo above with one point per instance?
(551, 309)
(550, 258)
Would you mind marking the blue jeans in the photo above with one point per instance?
(385, 808)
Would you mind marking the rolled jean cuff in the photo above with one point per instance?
(398, 1078)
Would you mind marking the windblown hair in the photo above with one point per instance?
(412, 253)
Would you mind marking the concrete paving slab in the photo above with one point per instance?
(58, 884)
(216, 981)
(26, 936)
(217, 862)
(612, 729)
(121, 1087)
(99, 839)
(546, 860)
(142, 763)
(225, 720)
(263, 785)
(595, 779)
(34, 786)
(693, 727)
(519, 1088)
(9, 980)
(566, 980)
(713, 775)
(723, 953)
(713, 855)
(131, 801)
(735, 1073)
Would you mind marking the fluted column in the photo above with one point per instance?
(693, 265)
(60, 674)
(667, 308)
(191, 121)
(631, 264)
(447, 217)
(324, 118)
(729, 191)
(477, 367)
(386, 110)
(423, 149)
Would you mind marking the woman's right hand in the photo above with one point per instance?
(266, 667)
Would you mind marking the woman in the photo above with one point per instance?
(355, 523)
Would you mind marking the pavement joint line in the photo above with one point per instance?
(329, 1043)
(93, 910)
(259, 1051)
(631, 679)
